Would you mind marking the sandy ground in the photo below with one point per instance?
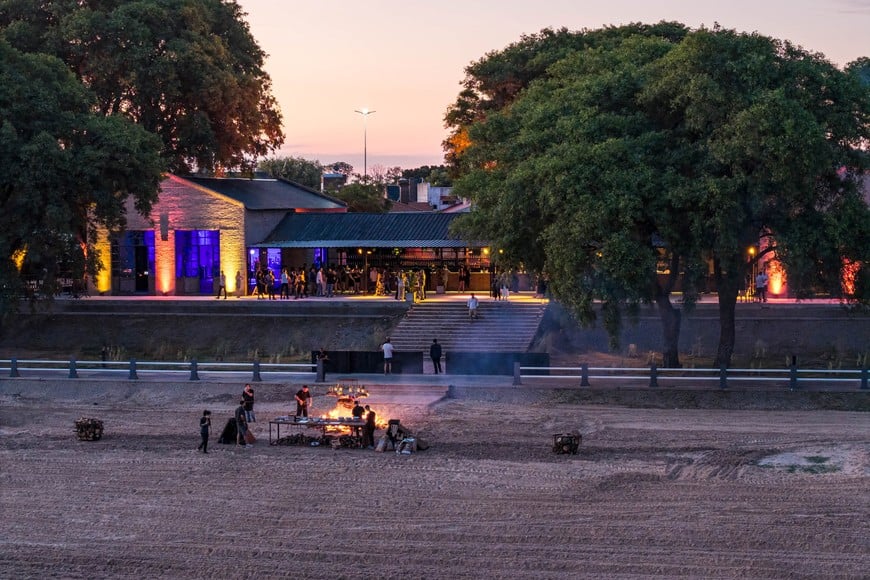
(652, 492)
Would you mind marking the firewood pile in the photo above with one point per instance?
(348, 441)
(566, 443)
(89, 429)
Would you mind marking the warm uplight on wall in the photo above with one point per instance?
(776, 277)
(486, 251)
(164, 258)
(103, 279)
(18, 258)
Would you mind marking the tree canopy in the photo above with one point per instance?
(638, 153)
(186, 70)
(296, 169)
(64, 169)
(363, 197)
(98, 99)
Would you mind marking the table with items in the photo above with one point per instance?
(322, 423)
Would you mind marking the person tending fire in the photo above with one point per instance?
(303, 401)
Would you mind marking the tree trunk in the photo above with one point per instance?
(727, 331)
(671, 319)
(727, 286)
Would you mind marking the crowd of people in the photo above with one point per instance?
(243, 416)
(328, 281)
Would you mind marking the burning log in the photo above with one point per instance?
(89, 429)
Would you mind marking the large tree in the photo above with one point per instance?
(296, 169)
(643, 152)
(778, 139)
(64, 169)
(186, 70)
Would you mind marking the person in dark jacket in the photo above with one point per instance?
(435, 355)
(248, 398)
(204, 429)
(369, 428)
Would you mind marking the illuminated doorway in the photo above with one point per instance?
(197, 260)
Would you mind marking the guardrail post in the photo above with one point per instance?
(584, 375)
(256, 378)
(133, 376)
(723, 377)
(73, 374)
(792, 374)
(321, 375)
(517, 379)
(194, 374)
(864, 374)
(13, 368)
(653, 375)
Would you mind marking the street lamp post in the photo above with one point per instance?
(365, 113)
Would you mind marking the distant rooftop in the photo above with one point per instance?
(348, 230)
(268, 194)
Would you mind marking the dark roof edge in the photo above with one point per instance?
(313, 191)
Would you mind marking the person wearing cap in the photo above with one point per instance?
(303, 401)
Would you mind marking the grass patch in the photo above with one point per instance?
(817, 459)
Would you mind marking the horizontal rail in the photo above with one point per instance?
(792, 375)
(254, 369)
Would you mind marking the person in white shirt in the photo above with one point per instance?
(472, 307)
(387, 347)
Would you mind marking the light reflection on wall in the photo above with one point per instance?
(233, 257)
(776, 278)
(850, 273)
(103, 282)
(164, 258)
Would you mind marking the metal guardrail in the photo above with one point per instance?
(14, 368)
(792, 376)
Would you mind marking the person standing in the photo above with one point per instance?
(387, 347)
(435, 355)
(322, 356)
(270, 283)
(241, 425)
(204, 429)
(422, 278)
(472, 307)
(284, 293)
(240, 284)
(222, 286)
(369, 428)
(248, 398)
(357, 413)
(303, 401)
(761, 286)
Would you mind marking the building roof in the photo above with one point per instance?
(349, 230)
(269, 194)
(411, 206)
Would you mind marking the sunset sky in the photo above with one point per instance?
(404, 59)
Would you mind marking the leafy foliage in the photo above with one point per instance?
(295, 169)
(600, 158)
(363, 198)
(186, 70)
(64, 169)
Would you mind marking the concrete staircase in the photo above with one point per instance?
(501, 327)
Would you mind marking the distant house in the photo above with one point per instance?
(199, 227)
